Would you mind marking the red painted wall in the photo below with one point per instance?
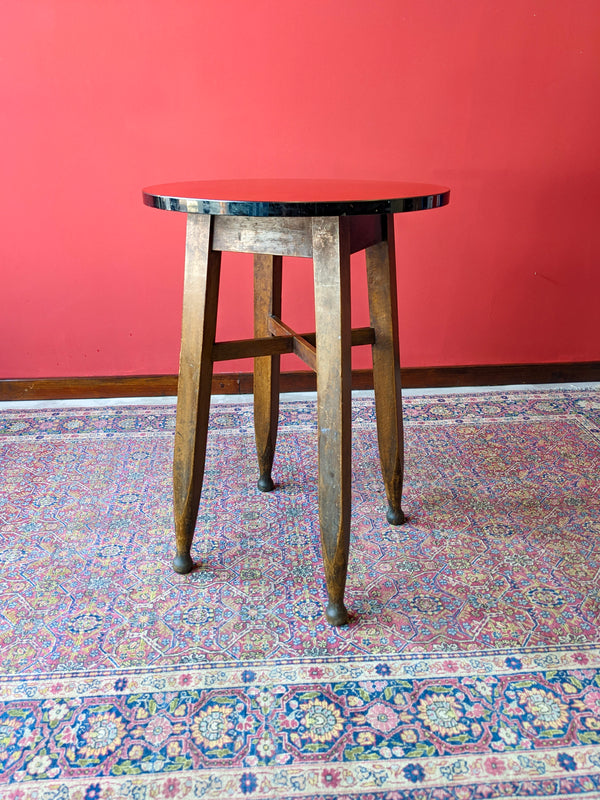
(498, 100)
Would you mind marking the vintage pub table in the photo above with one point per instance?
(327, 221)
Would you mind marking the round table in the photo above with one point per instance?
(326, 220)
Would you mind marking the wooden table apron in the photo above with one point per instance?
(329, 240)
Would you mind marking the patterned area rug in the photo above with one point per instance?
(471, 665)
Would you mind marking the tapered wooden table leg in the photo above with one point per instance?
(331, 256)
(383, 306)
(267, 301)
(201, 290)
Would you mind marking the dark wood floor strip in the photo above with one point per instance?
(241, 382)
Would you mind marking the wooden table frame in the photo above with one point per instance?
(329, 241)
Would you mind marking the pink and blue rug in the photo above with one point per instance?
(471, 668)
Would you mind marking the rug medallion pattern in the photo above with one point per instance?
(470, 669)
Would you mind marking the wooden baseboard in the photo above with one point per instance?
(241, 382)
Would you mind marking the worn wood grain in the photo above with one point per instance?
(286, 236)
(383, 310)
(267, 302)
(358, 336)
(331, 255)
(252, 348)
(201, 289)
(304, 349)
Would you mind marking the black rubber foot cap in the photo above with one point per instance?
(395, 517)
(336, 614)
(183, 563)
(265, 483)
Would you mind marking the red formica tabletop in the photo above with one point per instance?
(295, 198)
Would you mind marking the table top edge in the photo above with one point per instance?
(170, 197)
